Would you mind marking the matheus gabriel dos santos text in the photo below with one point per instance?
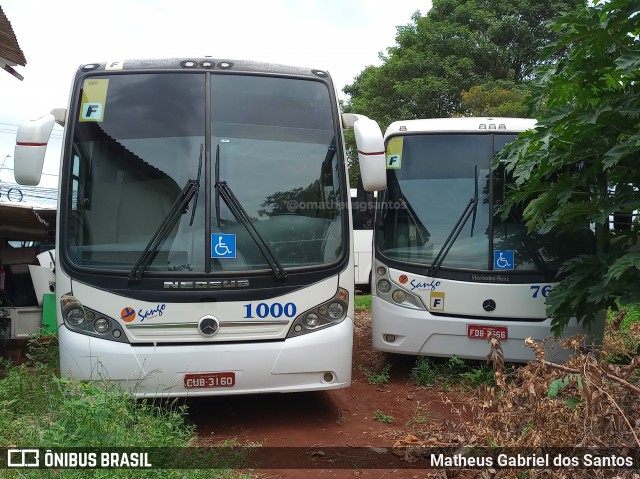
(545, 460)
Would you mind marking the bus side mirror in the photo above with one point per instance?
(371, 152)
(31, 146)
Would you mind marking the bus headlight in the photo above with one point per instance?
(335, 310)
(312, 320)
(74, 316)
(101, 325)
(90, 322)
(384, 286)
(322, 316)
(399, 296)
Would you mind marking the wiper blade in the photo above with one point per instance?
(217, 180)
(179, 207)
(530, 246)
(195, 201)
(243, 217)
(238, 211)
(475, 197)
(470, 209)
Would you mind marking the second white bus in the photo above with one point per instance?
(448, 269)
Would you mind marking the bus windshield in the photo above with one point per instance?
(137, 141)
(426, 213)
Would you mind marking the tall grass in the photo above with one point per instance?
(362, 302)
(38, 409)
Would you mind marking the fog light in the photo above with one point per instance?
(101, 325)
(75, 316)
(335, 310)
(116, 333)
(390, 338)
(381, 270)
(328, 377)
(312, 320)
(384, 286)
(297, 328)
(399, 296)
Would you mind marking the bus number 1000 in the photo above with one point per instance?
(276, 310)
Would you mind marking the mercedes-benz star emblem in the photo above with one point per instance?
(489, 305)
(208, 326)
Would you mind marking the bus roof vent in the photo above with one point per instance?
(492, 126)
(502, 126)
(483, 126)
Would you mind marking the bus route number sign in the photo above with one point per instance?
(476, 331)
(210, 380)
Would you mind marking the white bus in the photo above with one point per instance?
(363, 215)
(447, 268)
(202, 243)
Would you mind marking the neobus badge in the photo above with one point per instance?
(227, 283)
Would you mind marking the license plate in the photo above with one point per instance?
(210, 380)
(476, 331)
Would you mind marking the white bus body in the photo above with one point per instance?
(447, 268)
(362, 212)
(202, 247)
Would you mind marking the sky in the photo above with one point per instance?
(340, 36)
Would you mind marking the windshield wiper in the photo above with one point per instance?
(179, 207)
(470, 209)
(195, 201)
(530, 246)
(238, 211)
(217, 180)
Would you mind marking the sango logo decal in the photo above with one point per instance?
(152, 313)
(127, 315)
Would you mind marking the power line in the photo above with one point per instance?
(11, 169)
(9, 132)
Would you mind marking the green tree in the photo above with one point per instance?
(500, 98)
(459, 44)
(581, 165)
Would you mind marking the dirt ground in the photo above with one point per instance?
(335, 434)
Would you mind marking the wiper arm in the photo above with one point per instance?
(179, 207)
(217, 180)
(243, 217)
(475, 197)
(195, 202)
(529, 245)
(238, 211)
(469, 210)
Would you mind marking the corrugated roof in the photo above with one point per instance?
(10, 51)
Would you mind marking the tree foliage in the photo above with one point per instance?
(458, 45)
(581, 165)
(500, 98)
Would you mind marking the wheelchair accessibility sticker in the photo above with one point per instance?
(223, 246)
(503, 259)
